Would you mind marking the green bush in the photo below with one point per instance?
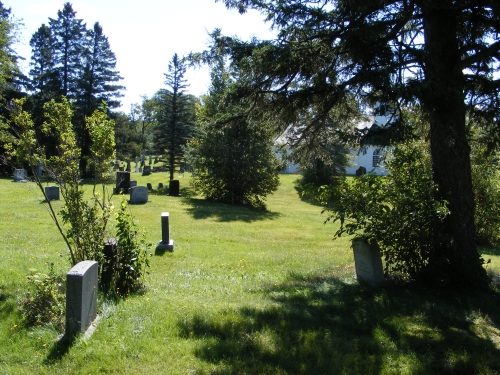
(486, 185)
(397, 211)
(125, 268)
(45, 301)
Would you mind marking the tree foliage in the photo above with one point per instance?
(9, 69)
(69, 60)
(398, 211)
(175, 115)
(236, 161)
(82, 222)
(439, 54)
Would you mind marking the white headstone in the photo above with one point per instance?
(368, 262)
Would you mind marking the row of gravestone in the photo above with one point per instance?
(124, 184)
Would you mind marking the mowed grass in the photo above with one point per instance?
(244, 292)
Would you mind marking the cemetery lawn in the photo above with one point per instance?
(244, 292)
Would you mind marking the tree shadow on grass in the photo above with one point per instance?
(323, 325)
(203, 209)
(305, 194)
(485, 251)
(200, 208)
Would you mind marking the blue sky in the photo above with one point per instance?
(144, 34)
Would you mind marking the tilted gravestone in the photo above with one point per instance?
(81, 297)
(52, 193)
(138, 195)
(166, 244)
(368, 262)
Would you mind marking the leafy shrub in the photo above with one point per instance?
(486, 186)
(127, 264)
(45, 302)
(397, 211)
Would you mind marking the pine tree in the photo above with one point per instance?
(99, 78)
(95, 84)
(44, 77)
(68, 32)
(236, 161)
(176, 115)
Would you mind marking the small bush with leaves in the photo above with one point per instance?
(486, 186)
(127, 265)
(45, 302)
(397, 211)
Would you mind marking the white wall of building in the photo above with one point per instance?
(368, 157)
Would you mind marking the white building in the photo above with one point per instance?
(369, 154)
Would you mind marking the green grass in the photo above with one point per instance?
(244, 292)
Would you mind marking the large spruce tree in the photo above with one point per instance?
(175, 115)
(236, 160)
(68, 33)
(441, 54)
(44, 77)
(97, 82)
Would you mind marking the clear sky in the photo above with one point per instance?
(144, 34)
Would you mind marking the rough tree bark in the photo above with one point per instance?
(443, 100)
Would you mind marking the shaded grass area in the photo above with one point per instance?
(245, 292)
(325, 325)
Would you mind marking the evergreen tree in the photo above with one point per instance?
(236, 162)
(99, 78)
(45, 83)
(96, 83)
(441, 54)
(68, 60)
(68, 32)
(44, 77)
(176, 115)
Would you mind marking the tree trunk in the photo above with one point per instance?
(443, 100)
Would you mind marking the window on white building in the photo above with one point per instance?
(376, 158)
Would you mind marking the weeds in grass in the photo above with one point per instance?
(45, 302)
